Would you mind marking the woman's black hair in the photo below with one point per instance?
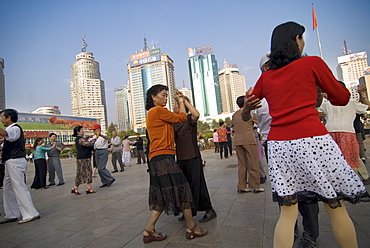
(153, 91)
(76, 130)
(284, 47)
(126, 137)
(37, 140)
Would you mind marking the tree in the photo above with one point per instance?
(202, 126)
(220, 120)
(228, 121)
(111, 128)
(215, 124)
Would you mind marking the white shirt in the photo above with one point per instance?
(14, 132)
(264, 119)
(340, 118)
(101, 143)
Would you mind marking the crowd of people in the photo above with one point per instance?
(307, 161)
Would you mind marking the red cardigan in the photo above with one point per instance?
(291, 94)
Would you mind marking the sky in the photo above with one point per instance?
(39, 39)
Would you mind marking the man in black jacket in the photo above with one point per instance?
(140, 149)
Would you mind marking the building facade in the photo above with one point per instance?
(145, 69)
(204, 80)
(87, 89)
(51, 110)
(2, 84)
(123, 108)
(351, 67)
(232, 85)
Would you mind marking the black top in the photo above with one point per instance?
(139, 144)
(83, 147)
(15, 149)
(186, 139)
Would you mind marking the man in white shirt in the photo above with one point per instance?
(101, 157)
(17, 199)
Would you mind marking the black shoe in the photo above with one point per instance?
(122, 170)
(60, 184)
(241, 191)
(226, 157)
(307, 241)
(138, 163)
(114, 171)
(256, 191)
(181, 218)
(111, 182)
(8, 220)
(104, 185)
(208, 218)
(51, 184)
(263, 179)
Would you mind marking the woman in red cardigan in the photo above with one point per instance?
(305, 164)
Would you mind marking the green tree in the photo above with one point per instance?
(215, 124)
(220, 120)
(228, 121)
(202, 127)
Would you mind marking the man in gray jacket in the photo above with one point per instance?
(116, 149)
(54, 164)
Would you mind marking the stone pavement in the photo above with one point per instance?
(116, 216)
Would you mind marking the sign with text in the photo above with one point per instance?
(146, 60)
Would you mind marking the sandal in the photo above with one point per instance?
(75, 191)
(90, 191)
(152, 237)
(193, 234)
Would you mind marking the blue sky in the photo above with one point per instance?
(39, 39)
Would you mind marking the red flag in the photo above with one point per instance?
(314, 21)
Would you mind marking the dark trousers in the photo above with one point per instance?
(117, 156)
(310, 218)
(39, 181)
(2, 174)
(140, 156)
(224, 149)
(217, 147)
(230, 145)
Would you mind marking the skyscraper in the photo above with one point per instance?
(351, 66)
(123, 108)
(232, 85)
(145, 69)
(204, 80)
(2, 85)
(87, 89)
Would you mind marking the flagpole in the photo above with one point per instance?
(318, 38)
(315, 26)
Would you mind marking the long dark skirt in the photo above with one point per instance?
(193, 171)
(39, 181)
(83, 171)
(169, 189)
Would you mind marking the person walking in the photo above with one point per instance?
(169, 190)
(140, 149)
(190, 161)
(126, 147)
(16, 197)
(299, 146)
(39, 181)
(54, 163)
(101, 156)
(83, 161)
(215, 141)
(116, 149)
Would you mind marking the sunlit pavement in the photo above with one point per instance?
(116, 216)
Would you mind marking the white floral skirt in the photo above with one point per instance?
(312, 169)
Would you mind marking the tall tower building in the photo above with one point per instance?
(87, 88)
(232, 85)
(351, 66)
(204, 80)
(145, 69)
(123, 107)
(2, 85)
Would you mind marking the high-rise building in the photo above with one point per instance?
(145, 69)
(87, 88)
(351, 66)
(123, 107)
(2, 84)
(232, 85)
(204, 80)
(50, 110)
